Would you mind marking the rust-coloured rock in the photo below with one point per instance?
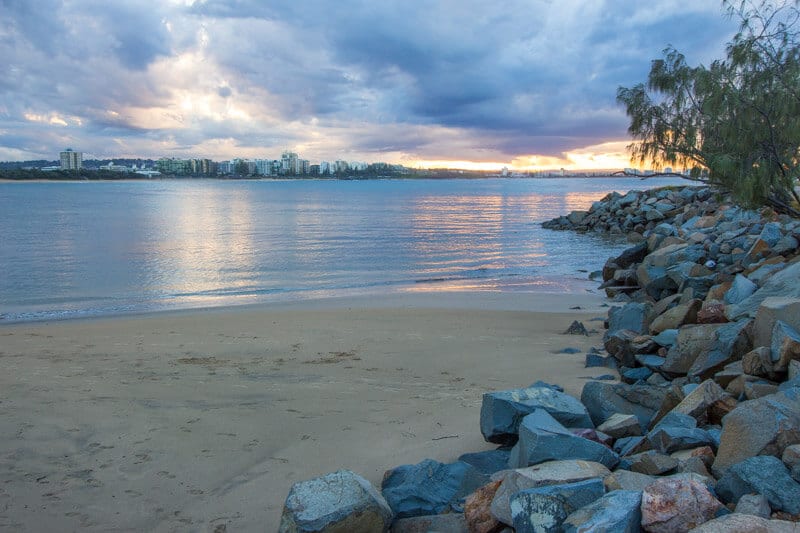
(477, 510)
(672, 505)
(712, 314)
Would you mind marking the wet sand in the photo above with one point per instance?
(188, 421)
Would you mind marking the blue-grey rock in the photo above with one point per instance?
(440, 523)
(741, 288)
(677, 420)
(668, 337)
(782, 333)
(699, 285)
(744, 523)
(550, 473)
(754, 504)
(623, 446)
(429, 487)
(339, 501)
(542, 384)
(620, 425)
(653, 463)
(672, 439)
(634, 316)
(502, 411)
(544, 509)
(692, 341)
(664, 229)
(487, 462)
(631, 256)
(763, 474)
(542, 438)
(764, 426)
(620, 345)
(569, 350)
(782, 284)
(594, 360)
(771, 234)
(633, 375)
(731, 342)
(760, 275)
(653, 362)
(605, 377)
(616, 512)
(604, 399)
(655, 280)
(786, 245)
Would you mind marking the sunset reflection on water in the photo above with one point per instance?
(94, 248)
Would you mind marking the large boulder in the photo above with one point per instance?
(620, 425)
(770, 311)
(502, 411)
(785, 346)
(602, 400)
(745, 523)
(668, 439)
(765, 475)
(765, 426)
(621, 345)
(740, 289)
(487, 462)
(671, 505)
(429, 487)
(628, 480)
(731, 342)
(544, 509)
(705, 403)
(616, 512)
(676, 317)
(542, 438)
(692, 341)
(634, 316)
(551, 473)
(781, 284)
(339, 501)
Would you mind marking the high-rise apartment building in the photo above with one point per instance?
(71, 160)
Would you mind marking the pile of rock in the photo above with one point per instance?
(624, 458)
(702, 433)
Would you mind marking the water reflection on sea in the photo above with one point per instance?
(76, 249)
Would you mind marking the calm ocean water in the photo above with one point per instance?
(88, 249)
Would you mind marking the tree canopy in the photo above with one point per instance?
(735, 123)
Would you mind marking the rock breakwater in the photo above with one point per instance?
(702, 430)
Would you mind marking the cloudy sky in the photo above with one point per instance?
(529, 83)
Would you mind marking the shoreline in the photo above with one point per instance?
(194, 418)
(397, 293)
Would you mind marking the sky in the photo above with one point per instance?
(528, 84)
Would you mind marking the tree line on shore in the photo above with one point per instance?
(735, 122)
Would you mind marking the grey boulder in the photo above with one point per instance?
(429, 487)
(502, 411)
(339, 501)
(544, 509)
(765, 475)
(616, 512)
(542, 438)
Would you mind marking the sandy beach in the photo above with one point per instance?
(202, 420)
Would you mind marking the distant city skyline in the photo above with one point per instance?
(452, 84)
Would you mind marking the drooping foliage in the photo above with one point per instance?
(735, 123)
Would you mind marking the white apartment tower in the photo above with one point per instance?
(71, 160)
